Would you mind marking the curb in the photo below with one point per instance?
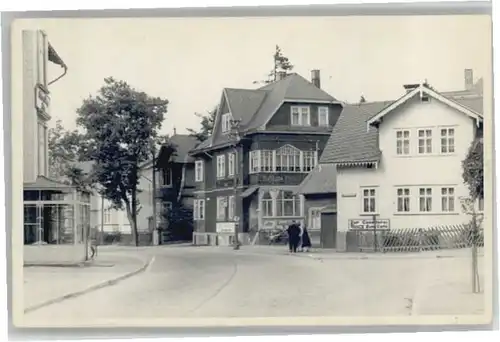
(90, 289)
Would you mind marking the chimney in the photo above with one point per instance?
(469, 79)
(315, 78)
(280, 75)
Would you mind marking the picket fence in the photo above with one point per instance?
(419, 239)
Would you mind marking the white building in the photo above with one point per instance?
(114, 222)
(401, 160)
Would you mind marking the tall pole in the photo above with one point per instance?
(102, 220)
(153, 200)
(238, 175)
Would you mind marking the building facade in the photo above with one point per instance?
(175, 188)
(281, 131)
(400, 162)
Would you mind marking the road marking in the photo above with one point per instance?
(150, 263)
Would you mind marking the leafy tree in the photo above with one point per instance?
(207, 125)
(473, 169)
(121, 125)
(65, 148)
(177, 223)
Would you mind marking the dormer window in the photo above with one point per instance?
(300, 116)
(323, 116)
(226, 123)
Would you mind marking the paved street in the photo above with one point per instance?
(187, 282)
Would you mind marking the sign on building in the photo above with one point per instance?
(368, 224)
(225, 227)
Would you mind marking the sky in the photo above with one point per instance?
(190, 60)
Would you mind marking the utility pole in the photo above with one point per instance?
(156, 234)
(238, 175)
(375, 233)
(102, 220)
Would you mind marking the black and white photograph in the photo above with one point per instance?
(238, 171)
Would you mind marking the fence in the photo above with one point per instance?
(415, 240)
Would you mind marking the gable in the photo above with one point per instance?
(421, 91)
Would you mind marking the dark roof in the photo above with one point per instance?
(183, 143)
(255, 107)
(321, 180)
(352, 141)
(180, 144)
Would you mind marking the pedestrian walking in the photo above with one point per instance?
(293, 237)
(306, 240)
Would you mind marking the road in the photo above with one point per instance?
(203, 283)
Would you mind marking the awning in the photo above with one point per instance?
(250, 191)
(54, 57)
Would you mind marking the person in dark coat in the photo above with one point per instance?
(306, 240)
(293, 237)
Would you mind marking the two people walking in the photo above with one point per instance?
(298, 238)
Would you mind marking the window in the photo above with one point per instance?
(226, 123)
(166, 177)
(254, 161)
(424, 141)
(230, 164)
(198, 171)
(107, 216)
(231, 208)
(266, 161)
(447, 140)
(199, 209)
(480, 204)
(221, 208)
(42, 149)
(403, 200)
(42, 58)
(322, 116)
(300, 116)
(309, 160)
(403, 142)
(447, 199)
(369, 200)
(287, 204)
(267, 205)
(288, 159)
(315, 218)
(425, 199)
(221, 166)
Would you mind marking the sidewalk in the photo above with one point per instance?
(446, 289)
(320, 254)
(47, 285)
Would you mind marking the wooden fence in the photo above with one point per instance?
(418, 239)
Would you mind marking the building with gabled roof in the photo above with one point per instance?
(400, 161)
(283, 128)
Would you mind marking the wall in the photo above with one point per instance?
(396, 170)
(30, 132)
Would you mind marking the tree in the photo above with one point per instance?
(473, 170)
(65, 148)
(121, 125)
(177, 223)
(281, 63)
(362, 99)
(207, 125)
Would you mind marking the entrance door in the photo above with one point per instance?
(328, 230)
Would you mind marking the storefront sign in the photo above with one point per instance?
(367, 224)
(42, 99)
(225, 227)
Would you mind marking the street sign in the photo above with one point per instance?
(367, 224)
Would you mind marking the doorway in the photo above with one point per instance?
(328, 229)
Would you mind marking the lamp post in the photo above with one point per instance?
(238, 177)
